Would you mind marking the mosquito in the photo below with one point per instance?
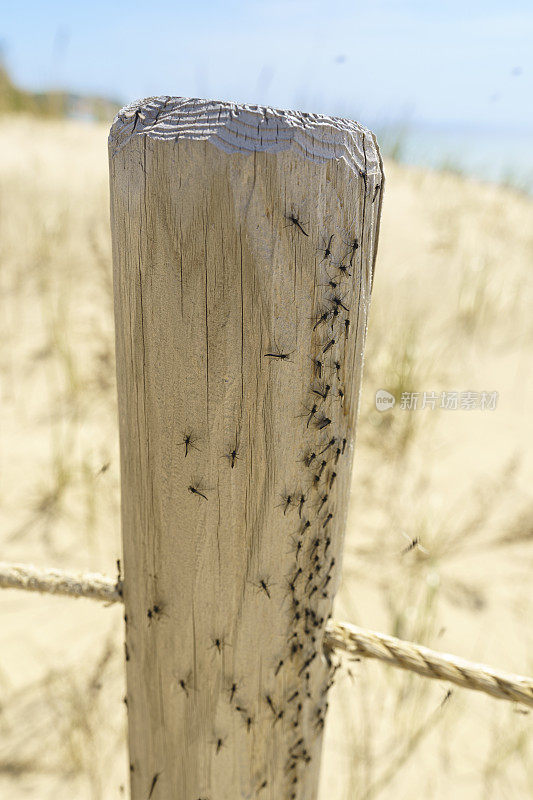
(322, 391)
(338, 302)
(323, 501)
(263, 585)
(232, 457)
(354, 246)
(218, 644)
(152, 787)
(195, 490)
(318, 367)
(344, 270)
(329, 444)
(327, 248)
(293, 220)
(279, 355)
(287, 502)
(188, 442)
(312, 414)
(271, 704)
(298, 549)
(322, 318)
(309, 458)
(331, 283)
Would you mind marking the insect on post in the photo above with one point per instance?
(238, 383)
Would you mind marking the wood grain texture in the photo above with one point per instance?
(244, 241)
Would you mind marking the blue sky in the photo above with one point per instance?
(440, 62)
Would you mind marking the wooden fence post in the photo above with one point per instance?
(244, 241)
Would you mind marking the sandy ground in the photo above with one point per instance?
(450, 311)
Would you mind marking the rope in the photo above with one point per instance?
(56, 581)
(429, 663)
(339, 636)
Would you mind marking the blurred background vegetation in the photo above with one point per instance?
(52, 104)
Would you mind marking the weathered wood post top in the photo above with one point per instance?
(244, 241)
